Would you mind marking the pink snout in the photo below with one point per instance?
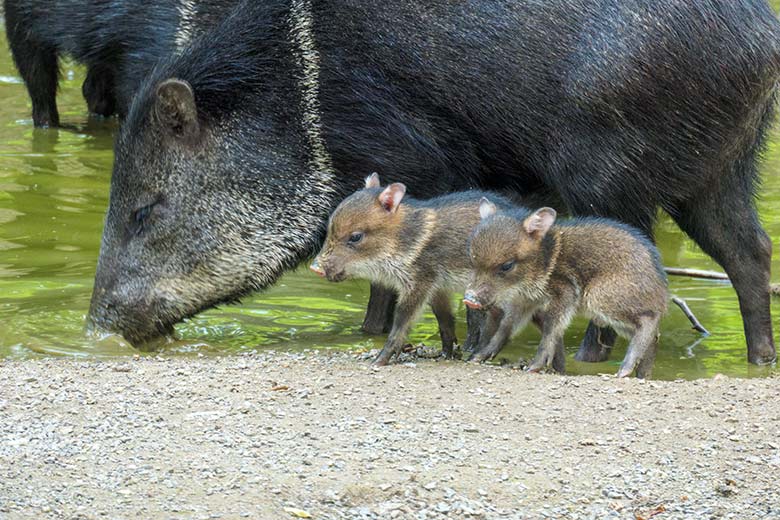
(471, 301)
(315, 267)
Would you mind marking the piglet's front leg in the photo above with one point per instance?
(496, 332)
(407, 309)
(554, 322)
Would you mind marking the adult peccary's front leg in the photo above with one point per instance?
(406, 311)
(476, 321)
(379, 312)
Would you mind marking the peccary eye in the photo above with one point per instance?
(355, 238)
(140, 217)
(507, 266)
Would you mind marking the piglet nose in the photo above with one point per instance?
(471, 301)
(315, 266)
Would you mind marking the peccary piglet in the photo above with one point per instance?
(413, 246)
(527, 266)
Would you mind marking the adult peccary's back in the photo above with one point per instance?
(119, 42)
(236, 150)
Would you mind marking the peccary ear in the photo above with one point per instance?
(175, 108)
(539, 223)
(486, 208)
(391, 197)
(372, 181)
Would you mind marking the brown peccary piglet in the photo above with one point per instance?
(416, 247)
(525, 267)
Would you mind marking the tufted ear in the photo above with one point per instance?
(486, 208)
(539, 222)
(175, 109)
(391, 197)
(372, 181)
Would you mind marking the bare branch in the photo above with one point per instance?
(696, 273)
(689, 314)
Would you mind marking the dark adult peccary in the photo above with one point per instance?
(415, 247)
(524, 267)
(119, 42)
(236, 151)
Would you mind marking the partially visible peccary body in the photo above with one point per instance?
(416, 247)
(119, 42)
(236, 150)
(524, 268)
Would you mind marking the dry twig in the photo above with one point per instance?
(689, 314)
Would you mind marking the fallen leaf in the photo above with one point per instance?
(650, 514)
(297, 513)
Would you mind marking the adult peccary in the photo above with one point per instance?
(119, 42)
(416, 247)
(524, 268)
(235, 152)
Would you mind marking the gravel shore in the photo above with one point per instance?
(317, 435)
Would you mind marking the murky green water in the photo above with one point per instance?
(53, 194)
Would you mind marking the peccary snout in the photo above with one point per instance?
(326, 267)
(471, 300)
(315, 267)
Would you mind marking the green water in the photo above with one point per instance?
(53, 194)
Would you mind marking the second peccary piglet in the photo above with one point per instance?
(416, 247)
(525, 267)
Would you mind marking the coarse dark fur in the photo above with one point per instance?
(526, 267)
(415, 247)
(618, 106)
(118, 41)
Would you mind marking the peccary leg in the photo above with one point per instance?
(641, 351)
(98, 91)
(39, 68)
(559, 360)
(597, 344)
(406, 311)
(379, 314)
(725, 225)
(645, 367)
(476, 321)
(555, 320)
(491, 338)
(498, 329)
(442, 309)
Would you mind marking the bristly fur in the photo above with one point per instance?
(597, 267)
(119, 42)
(617, 107)
(416, 247)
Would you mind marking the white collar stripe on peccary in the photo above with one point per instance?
(308, 57)
(186, 20)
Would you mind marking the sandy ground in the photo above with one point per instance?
(328, 436)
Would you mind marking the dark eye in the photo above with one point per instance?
(507, 266)
(355, 238)
(140, 217)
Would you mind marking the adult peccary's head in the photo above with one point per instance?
(363, 233)
(510, 255)
(197, 216)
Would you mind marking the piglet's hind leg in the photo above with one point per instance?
(642, 348)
